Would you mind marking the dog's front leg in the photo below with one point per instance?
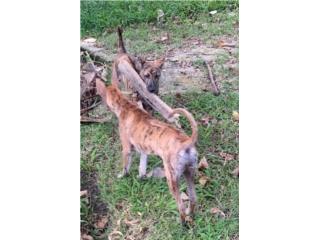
(126, 163)
(126, 151)
(143, 165)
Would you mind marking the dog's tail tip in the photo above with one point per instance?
(193, 123)
(121, 48)
(120, 30)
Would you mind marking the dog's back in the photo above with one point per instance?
(151, 136)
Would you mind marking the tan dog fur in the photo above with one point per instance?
(140, 131)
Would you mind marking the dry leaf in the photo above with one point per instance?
(86, 237)
(203, 163)
(90, 40)
(235, 172)
(184, 197)
(213, 12)
(226, 156)
(131, 223)
(217, 211)
(119, 222)
(223, 44)
(164, 39)
(83, 193)
(101, 223)
(189, 219)
(205, 120)
(203, 180)
(235, 116)
(115, 233)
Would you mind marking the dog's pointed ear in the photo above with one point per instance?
(137, 62)
(159, 62)
(101, 88)
(142, 60)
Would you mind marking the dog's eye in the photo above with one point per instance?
(147, 75)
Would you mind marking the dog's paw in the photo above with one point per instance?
(122, 174)
(142, 177)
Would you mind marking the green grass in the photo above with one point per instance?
(141, 39)
(149, 201)
(99, 16)
(100, 151)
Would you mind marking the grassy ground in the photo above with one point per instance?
(150, 201)
(98, 16)
(145, 209)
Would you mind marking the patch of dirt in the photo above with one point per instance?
(184, 68)
(98, 209)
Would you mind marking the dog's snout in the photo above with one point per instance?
(151, 88)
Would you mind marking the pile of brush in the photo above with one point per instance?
(89, 99)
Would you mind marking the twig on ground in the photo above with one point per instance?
(85, 119)
(90, 107)
(231, 45)
(215, 88)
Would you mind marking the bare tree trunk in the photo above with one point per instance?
(126, 69)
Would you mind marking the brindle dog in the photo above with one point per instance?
(140, 131)
(149, 71)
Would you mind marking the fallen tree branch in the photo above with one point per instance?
(85, 119)
(89, 97)
(90, 107)
(230, 45)
(97, 53)
(156, 103)
(215, 88)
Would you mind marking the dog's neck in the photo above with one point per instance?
(114, 100)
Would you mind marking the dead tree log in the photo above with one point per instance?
(97, 54)
(215, 88)
(85, 119)
(156, 103)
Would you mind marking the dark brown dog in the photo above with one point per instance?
(149, 71)
(147, 135)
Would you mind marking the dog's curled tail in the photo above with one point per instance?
(193, 123)
(121, 48)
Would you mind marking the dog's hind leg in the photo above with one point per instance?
(189, 175)
(173, 182)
